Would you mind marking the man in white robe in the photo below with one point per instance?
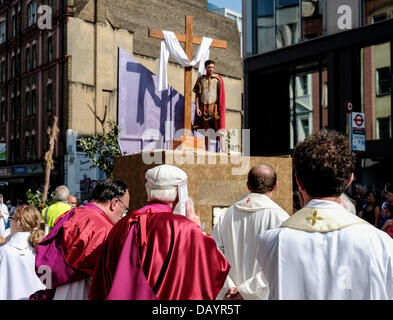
(3, 216)
(323, 251)
(236, 235)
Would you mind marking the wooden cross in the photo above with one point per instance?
(189, 40)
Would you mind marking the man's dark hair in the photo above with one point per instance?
(262, 178)
(324, 163)
(207, 62)
(107, 190)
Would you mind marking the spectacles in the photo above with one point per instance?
(12, 218)
(125, 207)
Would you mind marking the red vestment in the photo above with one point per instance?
(73, 246)
(179, 261)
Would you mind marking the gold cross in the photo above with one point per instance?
(314, 217)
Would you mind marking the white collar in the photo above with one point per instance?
(322, 216)
(19, 240)
(326, 204)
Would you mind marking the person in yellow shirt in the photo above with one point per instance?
(51, 213)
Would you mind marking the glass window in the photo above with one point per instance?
(3, 111)
(28, 148)
(28, 65)
(13, 66)
(28, 104)
(308, 108)
(382, 81)
(34, 102)
(50, 49)
(2, 32)
(14, 25)
(18, 63)
(287, 23)
(312, 19)
(383, 129)
(32, 13)
(376, 90)
(34, 56)
(3, 72)
(50, 96)
(265, 26)
(12, 108)
(33, 147)
(376, 10)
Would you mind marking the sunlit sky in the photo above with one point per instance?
(235, 5)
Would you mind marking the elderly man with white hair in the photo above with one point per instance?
(52, 212)
(156, 254)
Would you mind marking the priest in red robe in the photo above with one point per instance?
(66, 258)
(178, 260)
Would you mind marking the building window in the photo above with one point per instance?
(2, 32)
(287, 22)
(312, 19)
(34, 56)
(28, 104)
(3, 72)
(28, 148)
(13, 108)
(383, 81)
(383, 128)
(18, 109)
(13, 66)
(33, 147)
(14, 25)
(18, 63)
(265, 26)
(34, 102)
(49, 96)
(50, 49)
(19, 19)
(380, 17)
(28, 60)
(31, 13)
(51, 3)
(3, 111)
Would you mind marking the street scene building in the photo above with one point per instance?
(68, 68)
(305, 62)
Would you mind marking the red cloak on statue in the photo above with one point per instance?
(178, 260)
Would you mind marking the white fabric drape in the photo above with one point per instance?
(172, 46)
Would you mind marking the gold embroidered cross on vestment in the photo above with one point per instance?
(314, 217)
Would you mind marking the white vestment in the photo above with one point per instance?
(325, 252)
(78, 290)
(236, 235)
(3, 219)
(18, 279)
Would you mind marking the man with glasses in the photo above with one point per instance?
(66, 258)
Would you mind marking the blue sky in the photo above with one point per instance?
(235, 5)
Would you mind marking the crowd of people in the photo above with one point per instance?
(256, 251)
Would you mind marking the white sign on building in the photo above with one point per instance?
(77, 167)
(358, 131)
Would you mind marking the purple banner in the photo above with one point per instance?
(148, 118)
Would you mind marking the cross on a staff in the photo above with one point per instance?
(189, 40)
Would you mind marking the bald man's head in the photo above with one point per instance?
(262, 178)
